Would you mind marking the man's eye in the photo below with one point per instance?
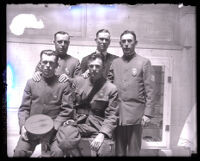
(123, 41)
(129, 41)
(61, 41)
(102, 39)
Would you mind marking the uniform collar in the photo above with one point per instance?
(49, 80)
(104, 53)
(129, 57)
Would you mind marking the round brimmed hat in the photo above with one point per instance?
(39, 124)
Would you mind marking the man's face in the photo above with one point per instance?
(49, 65)
(61, 43)
(103, 41)
(95, 69)
(128, 43)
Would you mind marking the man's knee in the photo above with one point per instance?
(68, 137)
(22, 153)
(55, 151)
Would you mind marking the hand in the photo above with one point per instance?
(63, 78)
(86, 74)
(23, 133)
(96, 143)
(145, 120)
(37, 76)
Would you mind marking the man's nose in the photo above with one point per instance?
(62, 43)
(48, 64)
(94, 68)
(104, 41)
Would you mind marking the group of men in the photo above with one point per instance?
(103, 97)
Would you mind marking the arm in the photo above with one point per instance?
(24, 109)
(110, 122)
(77, 70)
(66, 111)
(111, 114)
(84, 66)
(110, 75)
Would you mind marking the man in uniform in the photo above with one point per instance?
(68, 66)
(48, 97)
(103, 41)
(132, 74)
(96, 104)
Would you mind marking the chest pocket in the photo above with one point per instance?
(99, 104)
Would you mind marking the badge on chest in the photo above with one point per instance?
(67, 71)
(134, 72)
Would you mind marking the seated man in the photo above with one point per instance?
(48, 97)
(96, 104)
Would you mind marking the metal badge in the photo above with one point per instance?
(101, 94)
(134, 72)
(152, 78)
(67, 71)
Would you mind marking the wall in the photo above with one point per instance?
(163, 31)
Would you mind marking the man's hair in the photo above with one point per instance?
(129, 32)
(62, 33)
(94, 57)
(48, 52)
(102, 30)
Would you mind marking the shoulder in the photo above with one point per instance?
(73, 59)
(79, 80)
(86, 57)
(110, 86)
(117, 60)
(31, 82)
(112, 56)
(145, 60)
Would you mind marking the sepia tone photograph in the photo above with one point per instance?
(101, 80)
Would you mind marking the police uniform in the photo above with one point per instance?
(135, 83)
(101, 114)
(47, 97)
(66, 65)
(108, 58)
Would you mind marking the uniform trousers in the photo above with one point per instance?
(26, 148)
(69, 136)
(128, 140)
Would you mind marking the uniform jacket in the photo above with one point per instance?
(135, 83)
(50, 97)
(105, 102)
(107, 62)
(67, 65)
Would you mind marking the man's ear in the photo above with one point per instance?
(56, 64)
(120, 43)
(136, 42)
(109, 42)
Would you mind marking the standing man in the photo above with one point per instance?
(96, 104)
(103, 41)
(132, 74)
(68, 66)
(48, 97)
